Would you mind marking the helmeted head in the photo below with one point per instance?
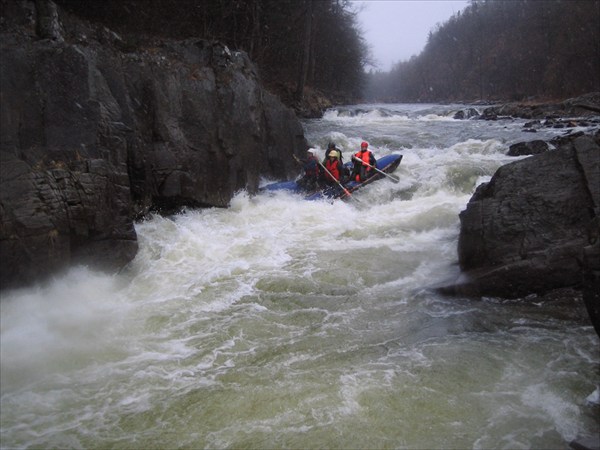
(364, 145)
(311, 151)
(331, 145)
(334, 154)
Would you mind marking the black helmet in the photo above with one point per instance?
(331, 145)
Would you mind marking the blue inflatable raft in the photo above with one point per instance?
(386, 164)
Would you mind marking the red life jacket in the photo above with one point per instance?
(333, 166)
(366, 157)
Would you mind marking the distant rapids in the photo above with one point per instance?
(284, 323)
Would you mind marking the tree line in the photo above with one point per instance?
(294, 43)
(501, 50)
(493, 50)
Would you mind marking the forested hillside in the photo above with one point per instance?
(502, 50)
(295, 43)
(493, 50)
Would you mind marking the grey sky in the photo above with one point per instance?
(397, 29)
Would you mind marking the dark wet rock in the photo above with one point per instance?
(48, 26)
(532, 124)
(570, 123)
(532, 127)
(312, 105)
(524, 232)
(559, 141)
(586, 443)
(492, 114)
(591, 280)
(468, 113)
(96, 131)
(527, 148)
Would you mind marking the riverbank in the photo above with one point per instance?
(587, 105)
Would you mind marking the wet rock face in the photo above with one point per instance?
(524, 232)
(95, 134)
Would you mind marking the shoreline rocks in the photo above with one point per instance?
(579, 112)
(583, 106)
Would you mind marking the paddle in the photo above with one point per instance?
(394, 179)
(346, 191)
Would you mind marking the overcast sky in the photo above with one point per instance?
(397, 29)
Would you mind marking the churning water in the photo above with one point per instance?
(283, 323)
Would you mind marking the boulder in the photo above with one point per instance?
(591, 281)
(527, 148)
(467, 113)
(524, 232)
(96, 132)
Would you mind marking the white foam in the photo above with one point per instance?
(562, 412)
(594, 397)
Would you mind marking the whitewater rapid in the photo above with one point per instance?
(284, 323)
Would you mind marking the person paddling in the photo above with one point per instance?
(361, 162)
(333, 168)
(332, 147)
(310, 165)
(344, 171)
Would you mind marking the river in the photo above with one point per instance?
(284, 323)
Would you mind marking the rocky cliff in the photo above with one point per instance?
(96, 131)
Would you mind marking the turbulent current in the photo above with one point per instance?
(284, 323)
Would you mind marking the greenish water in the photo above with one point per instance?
(281, 323)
